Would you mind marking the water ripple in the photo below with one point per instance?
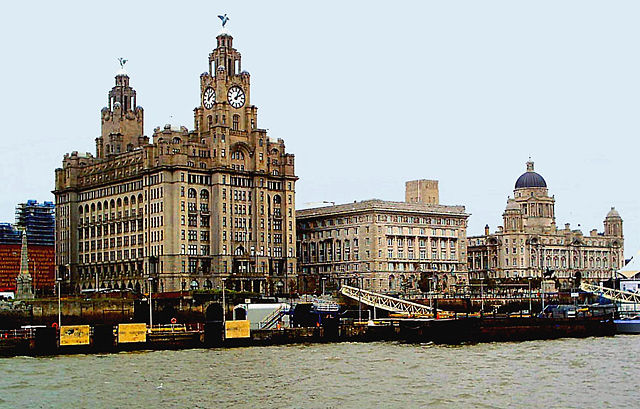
(566, 373)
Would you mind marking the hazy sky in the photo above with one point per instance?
(367, 94)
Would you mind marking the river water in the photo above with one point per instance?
(565, 373)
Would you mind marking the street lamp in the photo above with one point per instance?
(529, 279)
(542, 292)
(359, 297)
(59, 280)
(150, 304)
(223, 306)
(153, 269)
(481, 296)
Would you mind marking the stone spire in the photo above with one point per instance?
(24, 289)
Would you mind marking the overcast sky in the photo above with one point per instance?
(367, 94)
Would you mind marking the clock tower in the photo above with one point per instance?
(259, 244)
(225, 91)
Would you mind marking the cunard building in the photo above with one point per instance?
(187, 208)
(529, 244)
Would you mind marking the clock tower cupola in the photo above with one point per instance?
(225, 91)
(122, 120)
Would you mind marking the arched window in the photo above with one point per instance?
(191, 193)
(99, 206)
(126, 201)
(277, 199)
(204, 194)
(177, 140)
(93, 207)
(236, 122)
(194, 285)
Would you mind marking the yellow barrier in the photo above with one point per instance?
(74, 334)
(237, 329)
(128, 333)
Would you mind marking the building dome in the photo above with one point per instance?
(530, 178)
(613, 214)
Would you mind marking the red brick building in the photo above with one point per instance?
(41, 267)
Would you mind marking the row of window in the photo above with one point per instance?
(113, 204)
(112, 190)
(110, 243)
(111, 228)
(110, 256)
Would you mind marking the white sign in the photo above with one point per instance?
(574, 295)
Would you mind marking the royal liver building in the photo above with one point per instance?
(188, 207)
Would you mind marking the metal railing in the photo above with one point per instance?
(270, 320)
(175, 328)
(23, 333)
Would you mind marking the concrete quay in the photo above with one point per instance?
(105, 338)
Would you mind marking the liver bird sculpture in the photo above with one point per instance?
(224, 20)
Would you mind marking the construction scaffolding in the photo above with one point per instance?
(38, 220)
(9, 234)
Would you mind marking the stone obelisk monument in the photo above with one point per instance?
(24, 288)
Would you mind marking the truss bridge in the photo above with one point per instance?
(384, 302)
(611, 294)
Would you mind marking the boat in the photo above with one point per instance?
(628, 325)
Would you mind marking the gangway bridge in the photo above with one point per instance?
(611, 294)
(384, 302)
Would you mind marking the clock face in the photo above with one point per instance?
(208, 98)
(236, 97)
